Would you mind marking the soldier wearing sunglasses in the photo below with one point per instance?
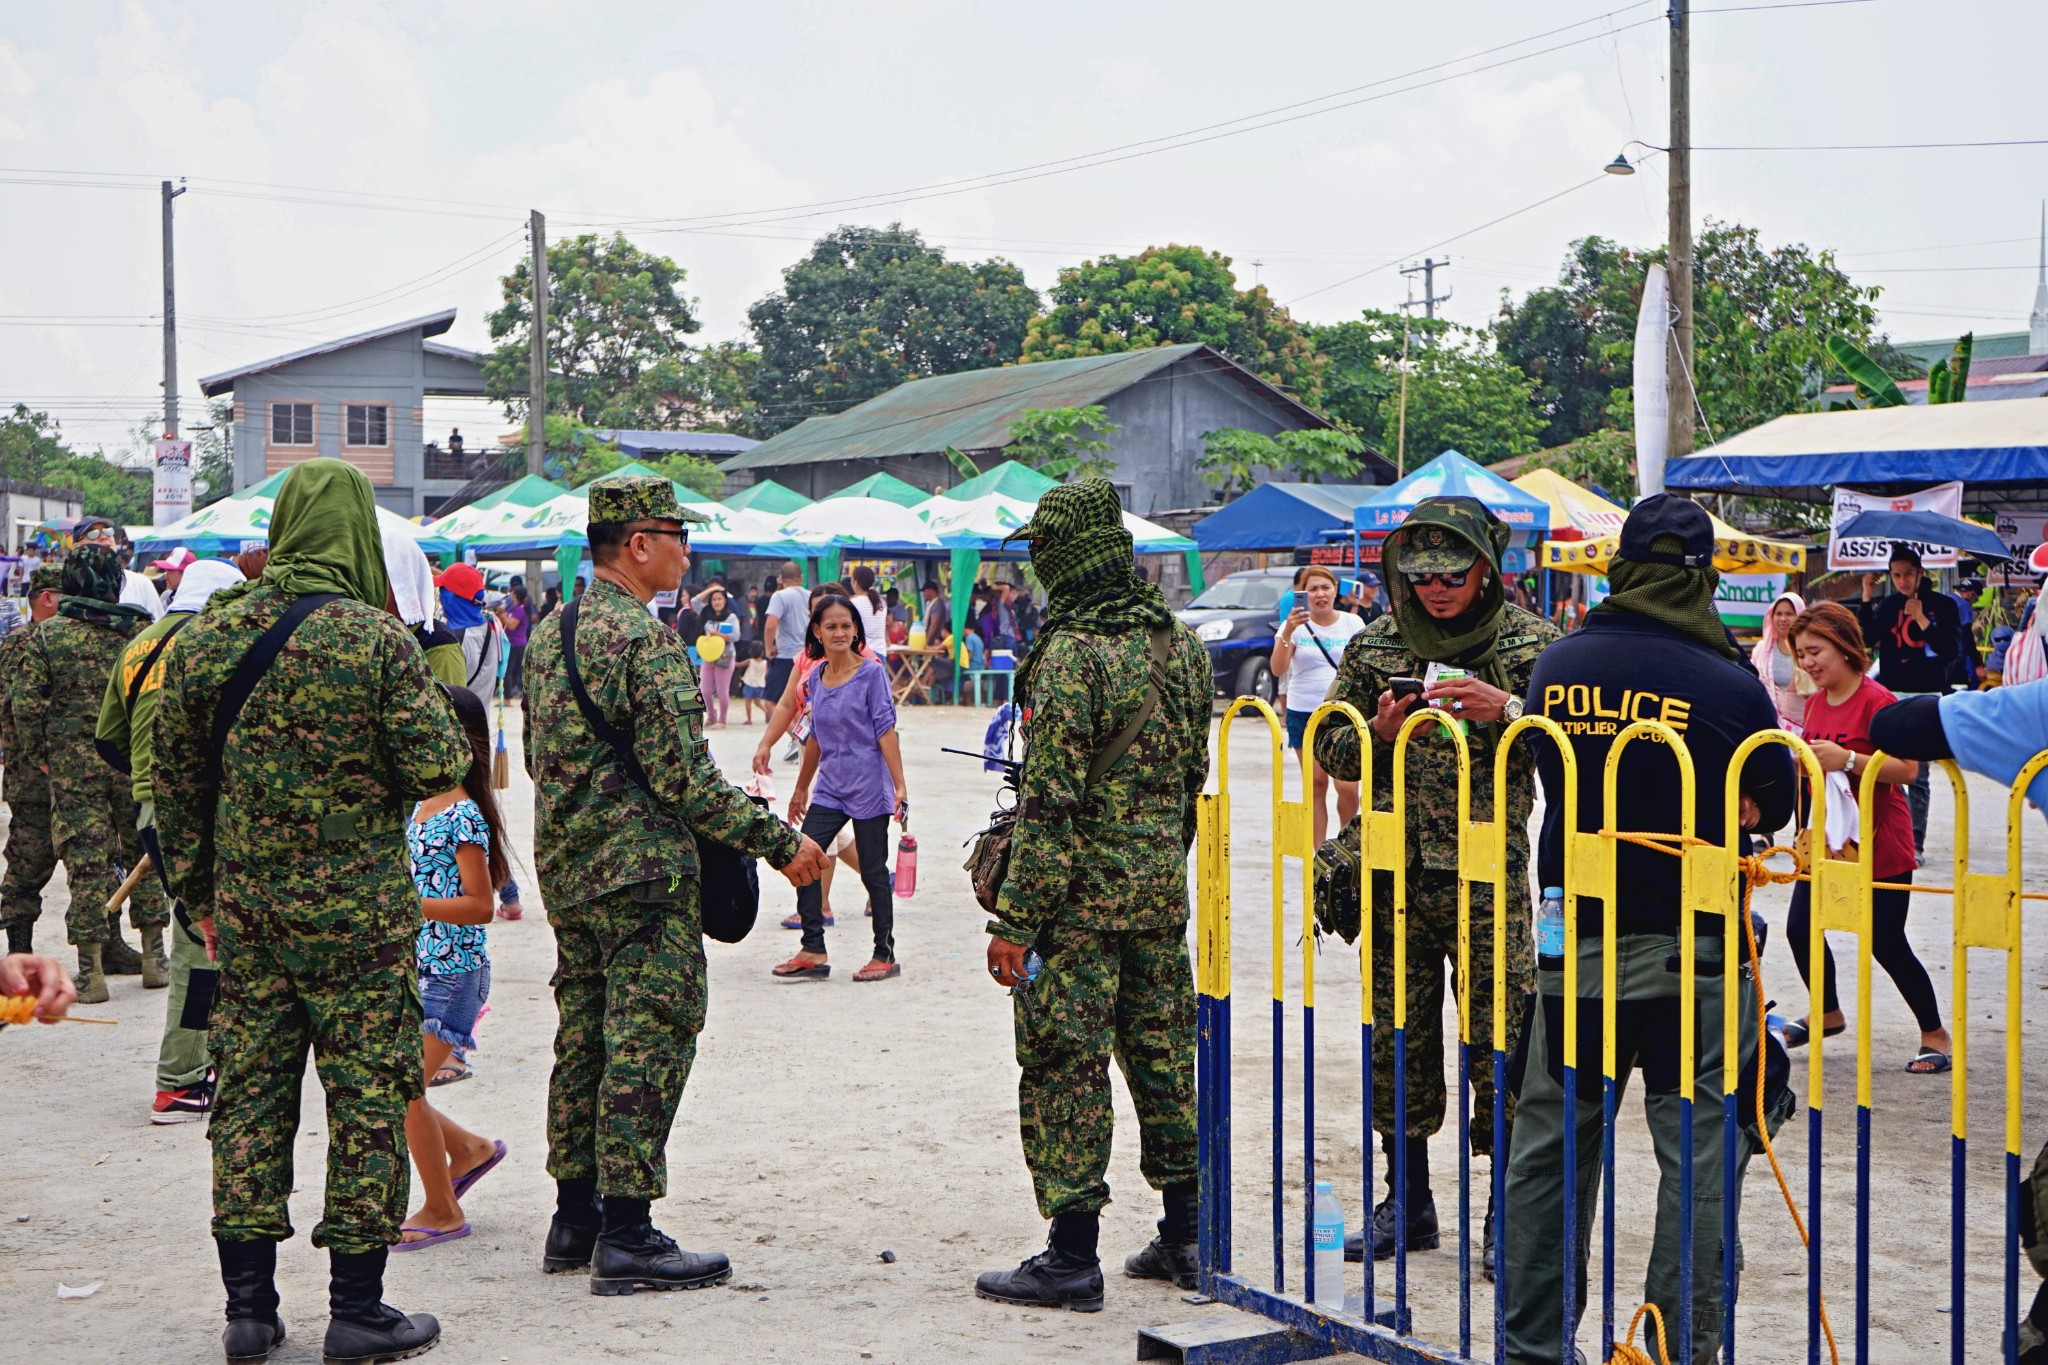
(1450, 627)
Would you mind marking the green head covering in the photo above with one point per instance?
(637, 497)
(45, 578)
(1446, 535)
(1678, 597)
(1083, 554)
(91, 583)
(324, 537)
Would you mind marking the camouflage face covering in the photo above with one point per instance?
(1083, 554)
(1446, 535)
(92, 588)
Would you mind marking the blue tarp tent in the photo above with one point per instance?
(1449, 475)
(1280, 516)
(1804, 455)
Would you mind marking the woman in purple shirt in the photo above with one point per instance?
(853, 754)
(517, 618)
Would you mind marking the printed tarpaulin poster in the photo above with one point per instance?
(1867, 555)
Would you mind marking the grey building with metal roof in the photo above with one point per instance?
(1162, 401)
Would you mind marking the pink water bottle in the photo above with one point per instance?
(906, 867)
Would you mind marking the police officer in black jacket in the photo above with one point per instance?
(1654, 650)
(1916, 632)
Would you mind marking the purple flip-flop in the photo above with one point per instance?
(463, 1185)
(433, 1237)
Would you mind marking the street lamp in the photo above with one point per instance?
(1620, 166)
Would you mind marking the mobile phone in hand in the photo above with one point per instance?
(1407, 691)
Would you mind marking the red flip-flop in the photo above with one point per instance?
(433, 1236)
(462, 1183)
(796, 969)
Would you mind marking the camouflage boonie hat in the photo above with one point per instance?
(637, 497)
(1433, 549)
(1071, 510)
(45, 578)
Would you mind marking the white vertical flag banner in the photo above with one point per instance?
(1652, 365)
(173, 500)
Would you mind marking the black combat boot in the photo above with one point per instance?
(248, 1271)
(21, 936)
(1423, 1234)
(630, 1255)
(1487, 1243)
(1066, 1274)
(573, 1233)
(362, 1329)
(1172, 1254)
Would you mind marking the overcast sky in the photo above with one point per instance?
(656, 116)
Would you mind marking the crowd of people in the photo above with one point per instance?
(300, 741)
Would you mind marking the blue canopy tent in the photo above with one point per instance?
(1451, 475)
(1280, 516)
(1998, 450)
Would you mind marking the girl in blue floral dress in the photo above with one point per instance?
(458, 862)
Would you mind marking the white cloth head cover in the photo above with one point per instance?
(412, 581)
(200, 582)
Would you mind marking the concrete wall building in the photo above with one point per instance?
(360, 399)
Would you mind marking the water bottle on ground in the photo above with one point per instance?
(1550, 930)
(1329, 1248)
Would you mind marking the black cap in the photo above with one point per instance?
(1660, 514)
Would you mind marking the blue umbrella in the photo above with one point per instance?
(1926, 528)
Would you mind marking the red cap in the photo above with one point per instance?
(177, 561)
(463, 580)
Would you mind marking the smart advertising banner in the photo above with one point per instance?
(1741, 599)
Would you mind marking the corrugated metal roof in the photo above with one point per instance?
(973, 410)
(689, 442)
(432, 325)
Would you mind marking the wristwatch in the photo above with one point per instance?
(1511, 710)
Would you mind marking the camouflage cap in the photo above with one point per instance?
(1071, 510)
(637, 497)
(44, 578)
(1435, 549)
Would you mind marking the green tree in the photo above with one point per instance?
(1604, 461)
(617, 323)
(214, 454)
(1761, 318)
(32, 449)
(869, 308)
(1063, 441)
(1462, 394)
(1232, 458)
(1167, 295)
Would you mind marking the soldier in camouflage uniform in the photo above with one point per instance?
(618, 868)
(31, 858)
(92, 822)
(306, 883)
(1448, 612)
(1097, 887)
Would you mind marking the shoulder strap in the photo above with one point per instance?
(247, 674)
(1155, 679)
(610, 735)
(163, 642)
(1321, 648)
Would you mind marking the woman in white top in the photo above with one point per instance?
(874, 617)
(1772, 658)
(1311, 641)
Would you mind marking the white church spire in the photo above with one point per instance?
(2037, 321)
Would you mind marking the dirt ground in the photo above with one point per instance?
(826, 1123)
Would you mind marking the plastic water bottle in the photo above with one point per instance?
(1550, 930)
(1033, 965)
(1329, 1248)
(906, 867)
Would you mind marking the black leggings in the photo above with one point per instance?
(1888, 948)
(871, 845)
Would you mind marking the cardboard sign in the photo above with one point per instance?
(1865, 554)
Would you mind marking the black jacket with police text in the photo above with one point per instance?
(1620, 668)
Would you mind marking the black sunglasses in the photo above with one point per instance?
(683, 536)
(1448, 580)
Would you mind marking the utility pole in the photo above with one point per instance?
(1430, 298)
(537, 379)
(170, 320)
(1678, 383)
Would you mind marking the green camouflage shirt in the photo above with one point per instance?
(594, 829)
(1374, 657)
(23, 756)
(1113, 858)
(57, 707)
(340, 737)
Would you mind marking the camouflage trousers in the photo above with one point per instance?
(94, 827)
(360, 1016)
(31, 856)
(1129, 994)
(1432, 956)
(630, 994)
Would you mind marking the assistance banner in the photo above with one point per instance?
(1870, 555)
